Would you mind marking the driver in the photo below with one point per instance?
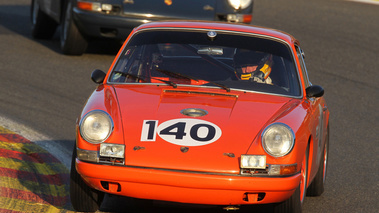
(253, 66)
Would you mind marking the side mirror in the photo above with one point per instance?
(314, 91)
(98, 76)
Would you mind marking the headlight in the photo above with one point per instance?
(96, 126)
(278, 139)
(239, 4)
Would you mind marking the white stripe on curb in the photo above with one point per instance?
(367, 1)
(53, 147)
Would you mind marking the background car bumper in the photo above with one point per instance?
(118, 27)
(105, 26)
(187, 187)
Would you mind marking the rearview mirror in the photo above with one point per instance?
(210, 51)
(98, 76)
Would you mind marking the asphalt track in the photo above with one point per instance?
(44, 90)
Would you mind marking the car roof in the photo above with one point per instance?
(212, 25)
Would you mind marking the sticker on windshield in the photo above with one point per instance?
(182, 132)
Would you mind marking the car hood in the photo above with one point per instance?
(158, 135)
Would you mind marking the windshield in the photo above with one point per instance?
(206, 58)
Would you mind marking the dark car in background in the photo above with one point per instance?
(82, 20)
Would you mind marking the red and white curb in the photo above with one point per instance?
(31, 178)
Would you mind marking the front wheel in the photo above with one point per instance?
(83, 197)
(72, 41)
(317, 186)
(295, 202)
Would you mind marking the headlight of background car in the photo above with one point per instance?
(239, 4)
(96, 126)
(278, 139)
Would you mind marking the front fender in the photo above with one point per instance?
(105, 99)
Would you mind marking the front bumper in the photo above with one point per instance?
(187, 187)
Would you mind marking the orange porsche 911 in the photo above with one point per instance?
(203, 113)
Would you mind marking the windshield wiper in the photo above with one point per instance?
(220, 85)
(142, 79)
(167, 82)
(180, 75)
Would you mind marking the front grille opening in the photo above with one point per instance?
(113, 161)
(254, 172)
(253, 197)
(261, 196)
(106, 185)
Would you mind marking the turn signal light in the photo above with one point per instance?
(92, 6)
(247, 18)
(282, 169)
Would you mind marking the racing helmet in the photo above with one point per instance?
(246, 58)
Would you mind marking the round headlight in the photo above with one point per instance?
(96, 126)
(278, 139)
(239, 4)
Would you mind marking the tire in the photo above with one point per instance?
(83, 198)
(295, 202)
(72, 41)
(317, 186)
(43, 26)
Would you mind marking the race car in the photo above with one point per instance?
(81, 21)
(203, 113)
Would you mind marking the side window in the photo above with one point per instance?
(300, 55)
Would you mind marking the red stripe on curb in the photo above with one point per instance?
(57, 179)
(32, 197)
(31, 157)
(44, 157)
(13, 138)
(9, 211)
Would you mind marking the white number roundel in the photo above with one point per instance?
(182, 132)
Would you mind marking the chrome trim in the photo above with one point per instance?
(194, 112)
(211, 34)
(283, 124)
(149, 16)
(89, 113)
(128, 2)
(200, 93)
(198, 172)
(208, 8)
(80, 151)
